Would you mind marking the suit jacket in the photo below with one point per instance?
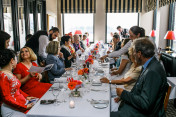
(146, 99)
(58, 69)
(66, 54)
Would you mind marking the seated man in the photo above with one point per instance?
(147, 96)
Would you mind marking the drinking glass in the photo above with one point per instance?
(55, 92)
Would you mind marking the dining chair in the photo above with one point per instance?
(166, 100)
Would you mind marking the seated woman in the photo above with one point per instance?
(30, 84)
(125, 63)
(53, 50)
(128, 80)
(84, 41)
(13, 98)
(77, 44)
(65, 49)
(4, 41)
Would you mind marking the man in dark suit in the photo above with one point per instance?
(123, 32)
(146, 99)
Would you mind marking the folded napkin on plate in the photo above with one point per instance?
(99, 101)
(60, 80)
(47, 101)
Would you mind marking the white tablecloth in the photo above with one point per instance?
(83, 108)
(172, 82)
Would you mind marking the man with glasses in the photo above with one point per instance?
(146, 99)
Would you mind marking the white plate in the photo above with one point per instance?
(104, 64)
(100, 106)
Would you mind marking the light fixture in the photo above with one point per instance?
(170, 36)
(78, 32)
(152, 33)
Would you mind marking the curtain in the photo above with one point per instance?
(165, 2)
(123, 6)
(78, 6)
(150, 5)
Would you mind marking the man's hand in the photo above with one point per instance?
(119, 91)
(117, 99)
(104, 80)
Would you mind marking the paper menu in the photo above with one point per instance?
(40, 69)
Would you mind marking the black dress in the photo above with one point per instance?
(66, 54)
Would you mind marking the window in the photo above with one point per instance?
(120, 19)
(174, 41)
(8, 21)
(83, 22)
(21, 23)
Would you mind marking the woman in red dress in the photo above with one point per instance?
(13, 99)
(30, 85)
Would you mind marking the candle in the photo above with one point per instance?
(72, 104)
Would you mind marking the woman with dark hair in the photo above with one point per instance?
(66, 51)
(4, 40)
(13, 99)
(135, 32)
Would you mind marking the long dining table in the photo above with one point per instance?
(83, 106)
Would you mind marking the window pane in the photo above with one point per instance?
(120, 19)
(21, 23)
(8, 21)
(31, 19)
(174, 41)
(83, 22)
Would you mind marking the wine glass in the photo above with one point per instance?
(55, 92)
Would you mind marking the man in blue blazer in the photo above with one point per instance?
(146, 99)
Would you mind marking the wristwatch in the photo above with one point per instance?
(109, 81)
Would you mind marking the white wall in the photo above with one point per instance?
(51, 9)
(163, 14)
(146, 21)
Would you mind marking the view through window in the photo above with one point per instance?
(83, 22)
(125, 20)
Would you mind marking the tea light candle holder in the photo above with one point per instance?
(72, 104)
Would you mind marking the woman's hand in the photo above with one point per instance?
(117, 99)
(104, 80)
(113, 69)
(32, 74)
(103, 57)
(68, 69)
(70, 57)
(38, 76)
(29, 106)
(61, 55)
(108, 52)
(29, 98)
(114, 73)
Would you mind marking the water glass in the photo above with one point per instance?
(55, 92)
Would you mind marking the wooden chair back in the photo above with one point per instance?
(166, 100)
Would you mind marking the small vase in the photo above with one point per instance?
(75, 93)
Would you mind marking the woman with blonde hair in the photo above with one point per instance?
(55, 57)
(30, 83)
